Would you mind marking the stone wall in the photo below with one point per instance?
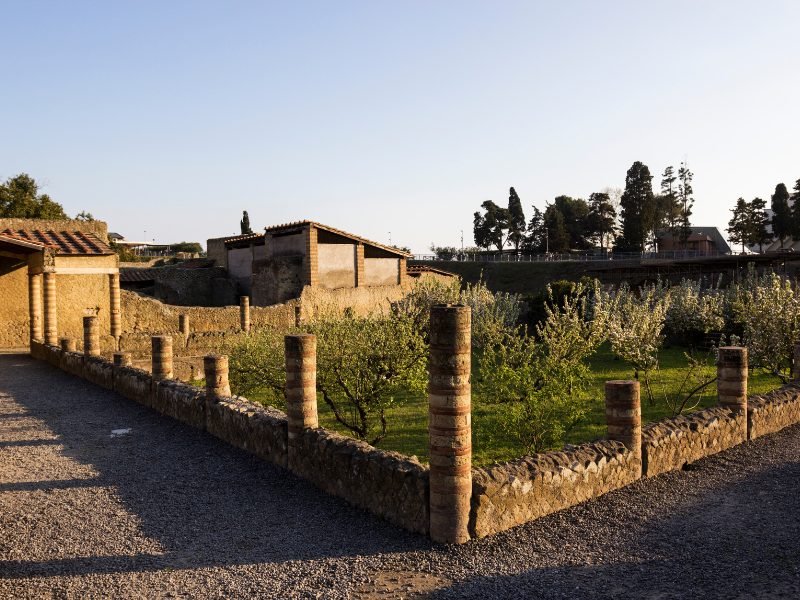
(99, 228)
(774, 411)
(525, 489)
(14, 317)
(670, 444)
(388, 484)
(277, 279)
(210, 286)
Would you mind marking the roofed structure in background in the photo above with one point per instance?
(417, 271)
(703, 241)
(275, 265)
(65, 242)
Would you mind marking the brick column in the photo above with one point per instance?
(35, 306)
(796, 361)
(91, 337)
(624, 415)
(215, 367)
(50, 310)
(301, 389)
(183, 324)
(68, 344)
(449, 423)
(244, 313)
(732, 378)
(311, 262)
(115, 310)
(360, 277)
(122, 359)
(402, 274)
(162, 357)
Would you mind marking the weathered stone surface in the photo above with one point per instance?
(254, 428)
(773, 411)
(180, 401)
(134, 384)
(512, 493)
(670, 444)
(72, 363)
(99, 371)
(387, 484)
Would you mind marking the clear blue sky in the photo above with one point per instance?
(402, 117)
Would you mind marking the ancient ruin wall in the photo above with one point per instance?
(387, 484)
(512, 493)
(773, 411)
(670, 444)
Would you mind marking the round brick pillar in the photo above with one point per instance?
(215, 367)
(732, 378)
(122, 359)
(183, 324)
(68, 344)
(162, 357)
(50, 309)
(35, 306)
(91, 336)
(244, 313)
(301, 388)
(624, 415)
(449, 423)
(115, 310)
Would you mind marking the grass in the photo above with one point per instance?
(408, 419)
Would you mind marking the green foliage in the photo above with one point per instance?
(516, 220)
(444, 252)
(536, 383)
(244, 224)
(20, 198)
(638, 208)
(489, 228)
(602, 219)
(190, 247)
(84, 216)
(781, 213)
(257, 363)
(748, 225)
(686, 200)
(365, 366)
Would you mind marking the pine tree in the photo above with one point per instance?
(670, 208)
(244, 224)
(602, 218)
(516, 220)
(781, 213)
(738, 225)
(489, 228)
(556, 230)
(686, 201)
(757, 220)
(638, 208)
(796, 211)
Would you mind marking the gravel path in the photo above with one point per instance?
(100, 497)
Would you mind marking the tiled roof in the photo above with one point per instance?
(136, 275)
(414, 270)
(64, 242)
(358, 238)
(244, 236)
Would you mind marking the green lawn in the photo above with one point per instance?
(491, 442)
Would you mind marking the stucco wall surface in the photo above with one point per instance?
(773, 411)
(14, 317)
(381, 271)
(240, 267)
(519, 491)
(337, 265)
(285, 245)
(277, 280)
(669, 444)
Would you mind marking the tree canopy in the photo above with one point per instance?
(20, 198)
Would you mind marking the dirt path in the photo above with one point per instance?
(100, 497)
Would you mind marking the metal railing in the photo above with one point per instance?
(566, 257)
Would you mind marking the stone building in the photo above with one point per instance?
(275, 266)
(52, 274)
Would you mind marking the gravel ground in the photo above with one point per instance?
(88, 509)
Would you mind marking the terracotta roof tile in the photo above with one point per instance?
(63, 242)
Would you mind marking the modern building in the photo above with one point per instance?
(702, 241)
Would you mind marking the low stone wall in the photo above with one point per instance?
(509, 494)
(254, 428)
(98, 371)
(385, 483)
(774, 411)
(670, 444)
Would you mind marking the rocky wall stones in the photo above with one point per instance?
(773, 411)
(254, 428)
(133, 384)
(72, 363)
(512, 493)
(181, 402)
(387, 484)
(98, 371)
(670, 444)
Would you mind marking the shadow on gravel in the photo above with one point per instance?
(206, 503)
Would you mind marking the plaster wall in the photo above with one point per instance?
(381, 271)
(286, 245)
(337, 265)
(240, 267)
(14, 317)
